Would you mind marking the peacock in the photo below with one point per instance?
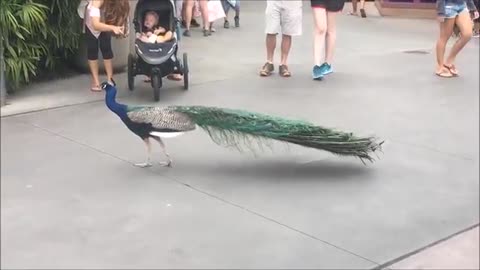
(229, 127)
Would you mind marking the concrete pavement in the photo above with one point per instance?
(72, 199)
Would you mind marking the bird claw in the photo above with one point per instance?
(143, 165)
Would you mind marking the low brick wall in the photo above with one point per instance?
(407, 9)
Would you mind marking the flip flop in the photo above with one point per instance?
(362, 13)
(453, 70)
(96, 89)
(174, 78)
(444, 74)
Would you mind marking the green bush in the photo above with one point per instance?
(38, 36)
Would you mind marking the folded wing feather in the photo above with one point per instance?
(162, 119)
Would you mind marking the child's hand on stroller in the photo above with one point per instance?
(160, 30)
(144, 38)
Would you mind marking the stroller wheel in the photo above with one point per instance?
(185, 71)
(156, 84)
(131, 72)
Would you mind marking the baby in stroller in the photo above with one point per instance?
(152, 32)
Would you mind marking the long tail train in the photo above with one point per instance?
(228, 127)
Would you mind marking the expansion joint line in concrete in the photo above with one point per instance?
(414, 252)
(208, 194)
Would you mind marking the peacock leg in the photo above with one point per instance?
(168, 163)
(149, 153)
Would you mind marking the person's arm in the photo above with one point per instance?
(96, 23)
(126, 29)
(159, 30)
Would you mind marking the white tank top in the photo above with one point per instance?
(92, 12)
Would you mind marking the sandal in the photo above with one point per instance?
(237, 21)
(362, 13)
(453, 70)
(175, 77)
(194, 23)
(267, 69)
(444, 73)
(96, 88)
(283, 69)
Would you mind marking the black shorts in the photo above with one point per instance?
(104, 42)
(329, 5)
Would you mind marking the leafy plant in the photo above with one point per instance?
(64, 28)
(36, 35)
(22, 23)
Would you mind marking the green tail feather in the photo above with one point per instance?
(231, 127)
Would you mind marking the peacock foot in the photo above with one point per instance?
(166, 163)
(144, 165)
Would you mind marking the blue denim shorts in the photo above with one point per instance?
(452, 9)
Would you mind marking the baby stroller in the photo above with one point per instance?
(156, 60)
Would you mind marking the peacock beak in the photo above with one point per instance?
(106, 84)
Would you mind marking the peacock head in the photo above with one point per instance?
(109, 86)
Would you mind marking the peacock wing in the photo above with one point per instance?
(161, 119)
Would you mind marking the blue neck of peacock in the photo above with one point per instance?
(118, 109)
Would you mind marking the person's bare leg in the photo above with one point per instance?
(362, 9)
(184, 10)
(93, 65)
(188, 6)
(354, 7)
(204, 10)
(237, 10)
(331, 36)
(285, 49)
(464, 23)
(108, 69)
(446, 30)
(179, 10)
(271, 42)
(320, 27)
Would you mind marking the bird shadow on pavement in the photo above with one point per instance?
(277, 170)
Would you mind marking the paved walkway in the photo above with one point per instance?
(72, 199)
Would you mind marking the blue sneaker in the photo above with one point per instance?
(326, 69)
(317, 72)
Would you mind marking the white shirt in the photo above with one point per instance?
(89, 14)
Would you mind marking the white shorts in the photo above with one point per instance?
(283, 17)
